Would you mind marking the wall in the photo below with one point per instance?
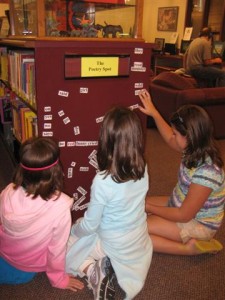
(3, 7)
(150, 16)
(216, 17)
(4, 28)
(124, 17)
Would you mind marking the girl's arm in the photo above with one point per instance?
(91, 220)
(155, 200)
(149, 109)
(93, 215)
(55, 267)
(194, 201)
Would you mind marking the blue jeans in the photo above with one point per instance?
(213, 76)
(11, 275)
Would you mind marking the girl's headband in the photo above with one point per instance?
(39, 169)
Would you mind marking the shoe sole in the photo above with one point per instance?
(212, 246)
(107, 290)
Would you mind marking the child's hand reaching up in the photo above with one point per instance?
(148, 109)
(74, 284)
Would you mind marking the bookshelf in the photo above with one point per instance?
(71, 97)
(18, 84)
(164, 62)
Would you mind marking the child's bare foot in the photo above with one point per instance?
(200, 247)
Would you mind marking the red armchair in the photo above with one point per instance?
(170, 91)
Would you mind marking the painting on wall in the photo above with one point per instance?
(167, 18)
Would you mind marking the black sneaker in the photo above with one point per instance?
(101, 280)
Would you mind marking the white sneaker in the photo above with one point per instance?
(101, 280)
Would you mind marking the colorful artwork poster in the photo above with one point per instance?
(55, 16)
(80, 15)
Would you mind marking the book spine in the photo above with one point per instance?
(21, 69)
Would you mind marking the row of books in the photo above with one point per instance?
(17, 86)
(4, 70)
(24, 120)
(5, 105)
(18, 68)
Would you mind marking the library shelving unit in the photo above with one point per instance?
(76, 80)
(166, 63)
(18, 89)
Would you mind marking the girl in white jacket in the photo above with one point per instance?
(114, 228)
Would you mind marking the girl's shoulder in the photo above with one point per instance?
(104, 184)
(10, 188)
(210, 165)
(101, 175)
(62, 199)
(207, 168)
(209, 172)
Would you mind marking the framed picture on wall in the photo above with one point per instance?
(4, 26)
(167, 18)
(187, 33)
(184, 45)
(159, 44)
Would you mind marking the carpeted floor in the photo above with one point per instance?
(170, 277)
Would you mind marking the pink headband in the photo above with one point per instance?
(41, 168)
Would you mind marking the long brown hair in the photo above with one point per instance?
(34, 173)
(193, 122)
(121, 149)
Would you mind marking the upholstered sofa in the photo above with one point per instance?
(170, 90)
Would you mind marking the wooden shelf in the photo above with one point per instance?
(166, 63)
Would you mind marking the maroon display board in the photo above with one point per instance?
(71, 107)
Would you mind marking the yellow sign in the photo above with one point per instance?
(98, 66)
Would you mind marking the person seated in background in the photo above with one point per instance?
(199, 63)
